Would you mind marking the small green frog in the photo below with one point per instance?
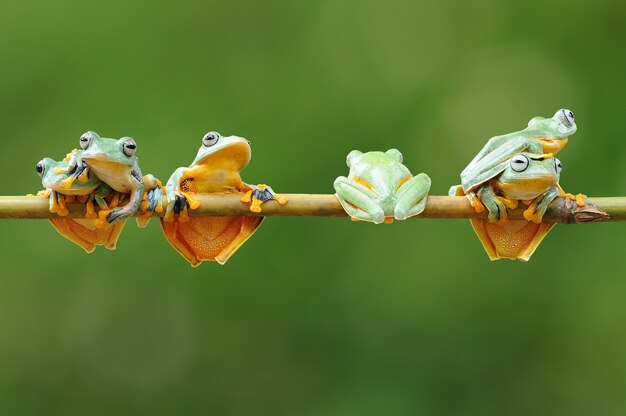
(527, 178)
(83, 232)
(54, 179)
(380, 188)
(114, 163)
(543, 135)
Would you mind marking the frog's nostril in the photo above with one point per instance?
(249, 142)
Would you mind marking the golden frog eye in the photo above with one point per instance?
(84, 141)
(130, 147)
(519, 163)
(210, 139)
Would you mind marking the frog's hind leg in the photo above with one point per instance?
(411, 196)
(358, 200)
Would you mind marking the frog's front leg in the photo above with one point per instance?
(258, 194)
(411, 197)
(175, 197)
(152, 199)
(358, 200)
(136, 196)
(496, 206)
(539, 205)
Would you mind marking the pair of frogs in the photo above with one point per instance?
(514, 168)
(106, 171)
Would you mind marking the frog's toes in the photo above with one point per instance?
(261, 194)
(117, 215)
(475, 202)
(192, 202)
(68, 182)
(531, 213)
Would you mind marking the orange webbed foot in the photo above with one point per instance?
(260, 194)
(475, 202)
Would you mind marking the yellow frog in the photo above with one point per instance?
(214, 170)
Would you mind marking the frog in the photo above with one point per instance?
(541, 136)
(82, 232)
(215, 169)
(379, 188)
(530, 179)
(115, 163)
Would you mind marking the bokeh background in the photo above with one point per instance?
(313, 316)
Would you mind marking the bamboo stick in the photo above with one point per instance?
(561, 210)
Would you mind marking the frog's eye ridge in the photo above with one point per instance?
(40, 168)
(130, 147)
(569, 116)
(210, 139)
(558, 166)
(519, 163)
(84, 141)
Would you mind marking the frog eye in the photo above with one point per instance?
(40, 168)
(569, 116)
(210, 139)
(558, 166)
(519, 163)
(130, 147)
(84, 141)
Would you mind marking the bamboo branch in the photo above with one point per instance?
(561, 210)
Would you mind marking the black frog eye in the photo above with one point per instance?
(130, 147)
(569, 117)
(84, 141)
(519, 163)
(210, 139)
(558, 166)
(40, 168)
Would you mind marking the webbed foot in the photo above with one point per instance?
(578, 198)
(475, 202)
(260, 194)
(152, 200)
(177, 206)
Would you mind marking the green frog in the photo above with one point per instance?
(88, 189)
(379, 188)
(114, 162)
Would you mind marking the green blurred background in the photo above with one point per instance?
(313, 316)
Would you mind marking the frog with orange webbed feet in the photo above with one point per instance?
(214, 170)
(513, 168)
(87, 189)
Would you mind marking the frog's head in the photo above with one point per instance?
(99, 150)
(560, 126)
(528, 175)
(218, 150)
(46, 169)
